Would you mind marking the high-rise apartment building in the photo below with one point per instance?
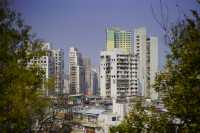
(98, 80)
(116, 38)
(128, 72)
(87, 67)
(52, 63)
(58, 55)
(76, 72)
(46, 63)
(140, 50)
(146, 50)
(66, 84)
(118, 74)
(154, 65)
(94, 82)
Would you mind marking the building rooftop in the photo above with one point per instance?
(92, 111)
(95, 111)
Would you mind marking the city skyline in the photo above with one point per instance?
(100, 66)
(82, 23)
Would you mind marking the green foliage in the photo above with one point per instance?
(142, 119)
(181, 80)
(20, 102)
(179, 85)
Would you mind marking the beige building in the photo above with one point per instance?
(146, 50)
(76, 72)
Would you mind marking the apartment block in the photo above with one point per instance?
(46, 63)
(58, 55)
(76, 72)
(88, 73)
(146, 50)
(118, 74)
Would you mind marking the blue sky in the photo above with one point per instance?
(82, 23)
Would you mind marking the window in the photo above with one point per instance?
(113, 118)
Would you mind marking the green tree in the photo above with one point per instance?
(143, 119)
(178, 83)
(20, 101)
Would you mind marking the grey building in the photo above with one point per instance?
(58, 55)
(88, 74)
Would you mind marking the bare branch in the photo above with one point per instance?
(163, 21)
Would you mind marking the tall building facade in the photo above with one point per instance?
(66, 84)
(146, 50)
(76, 72)
(46, 63)
(94, 82)
(58, 55)
(52, 63)
(88, 73)
(118, 75)
(140, 50)
(154, 65)
(125, 71)
(116, 38)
